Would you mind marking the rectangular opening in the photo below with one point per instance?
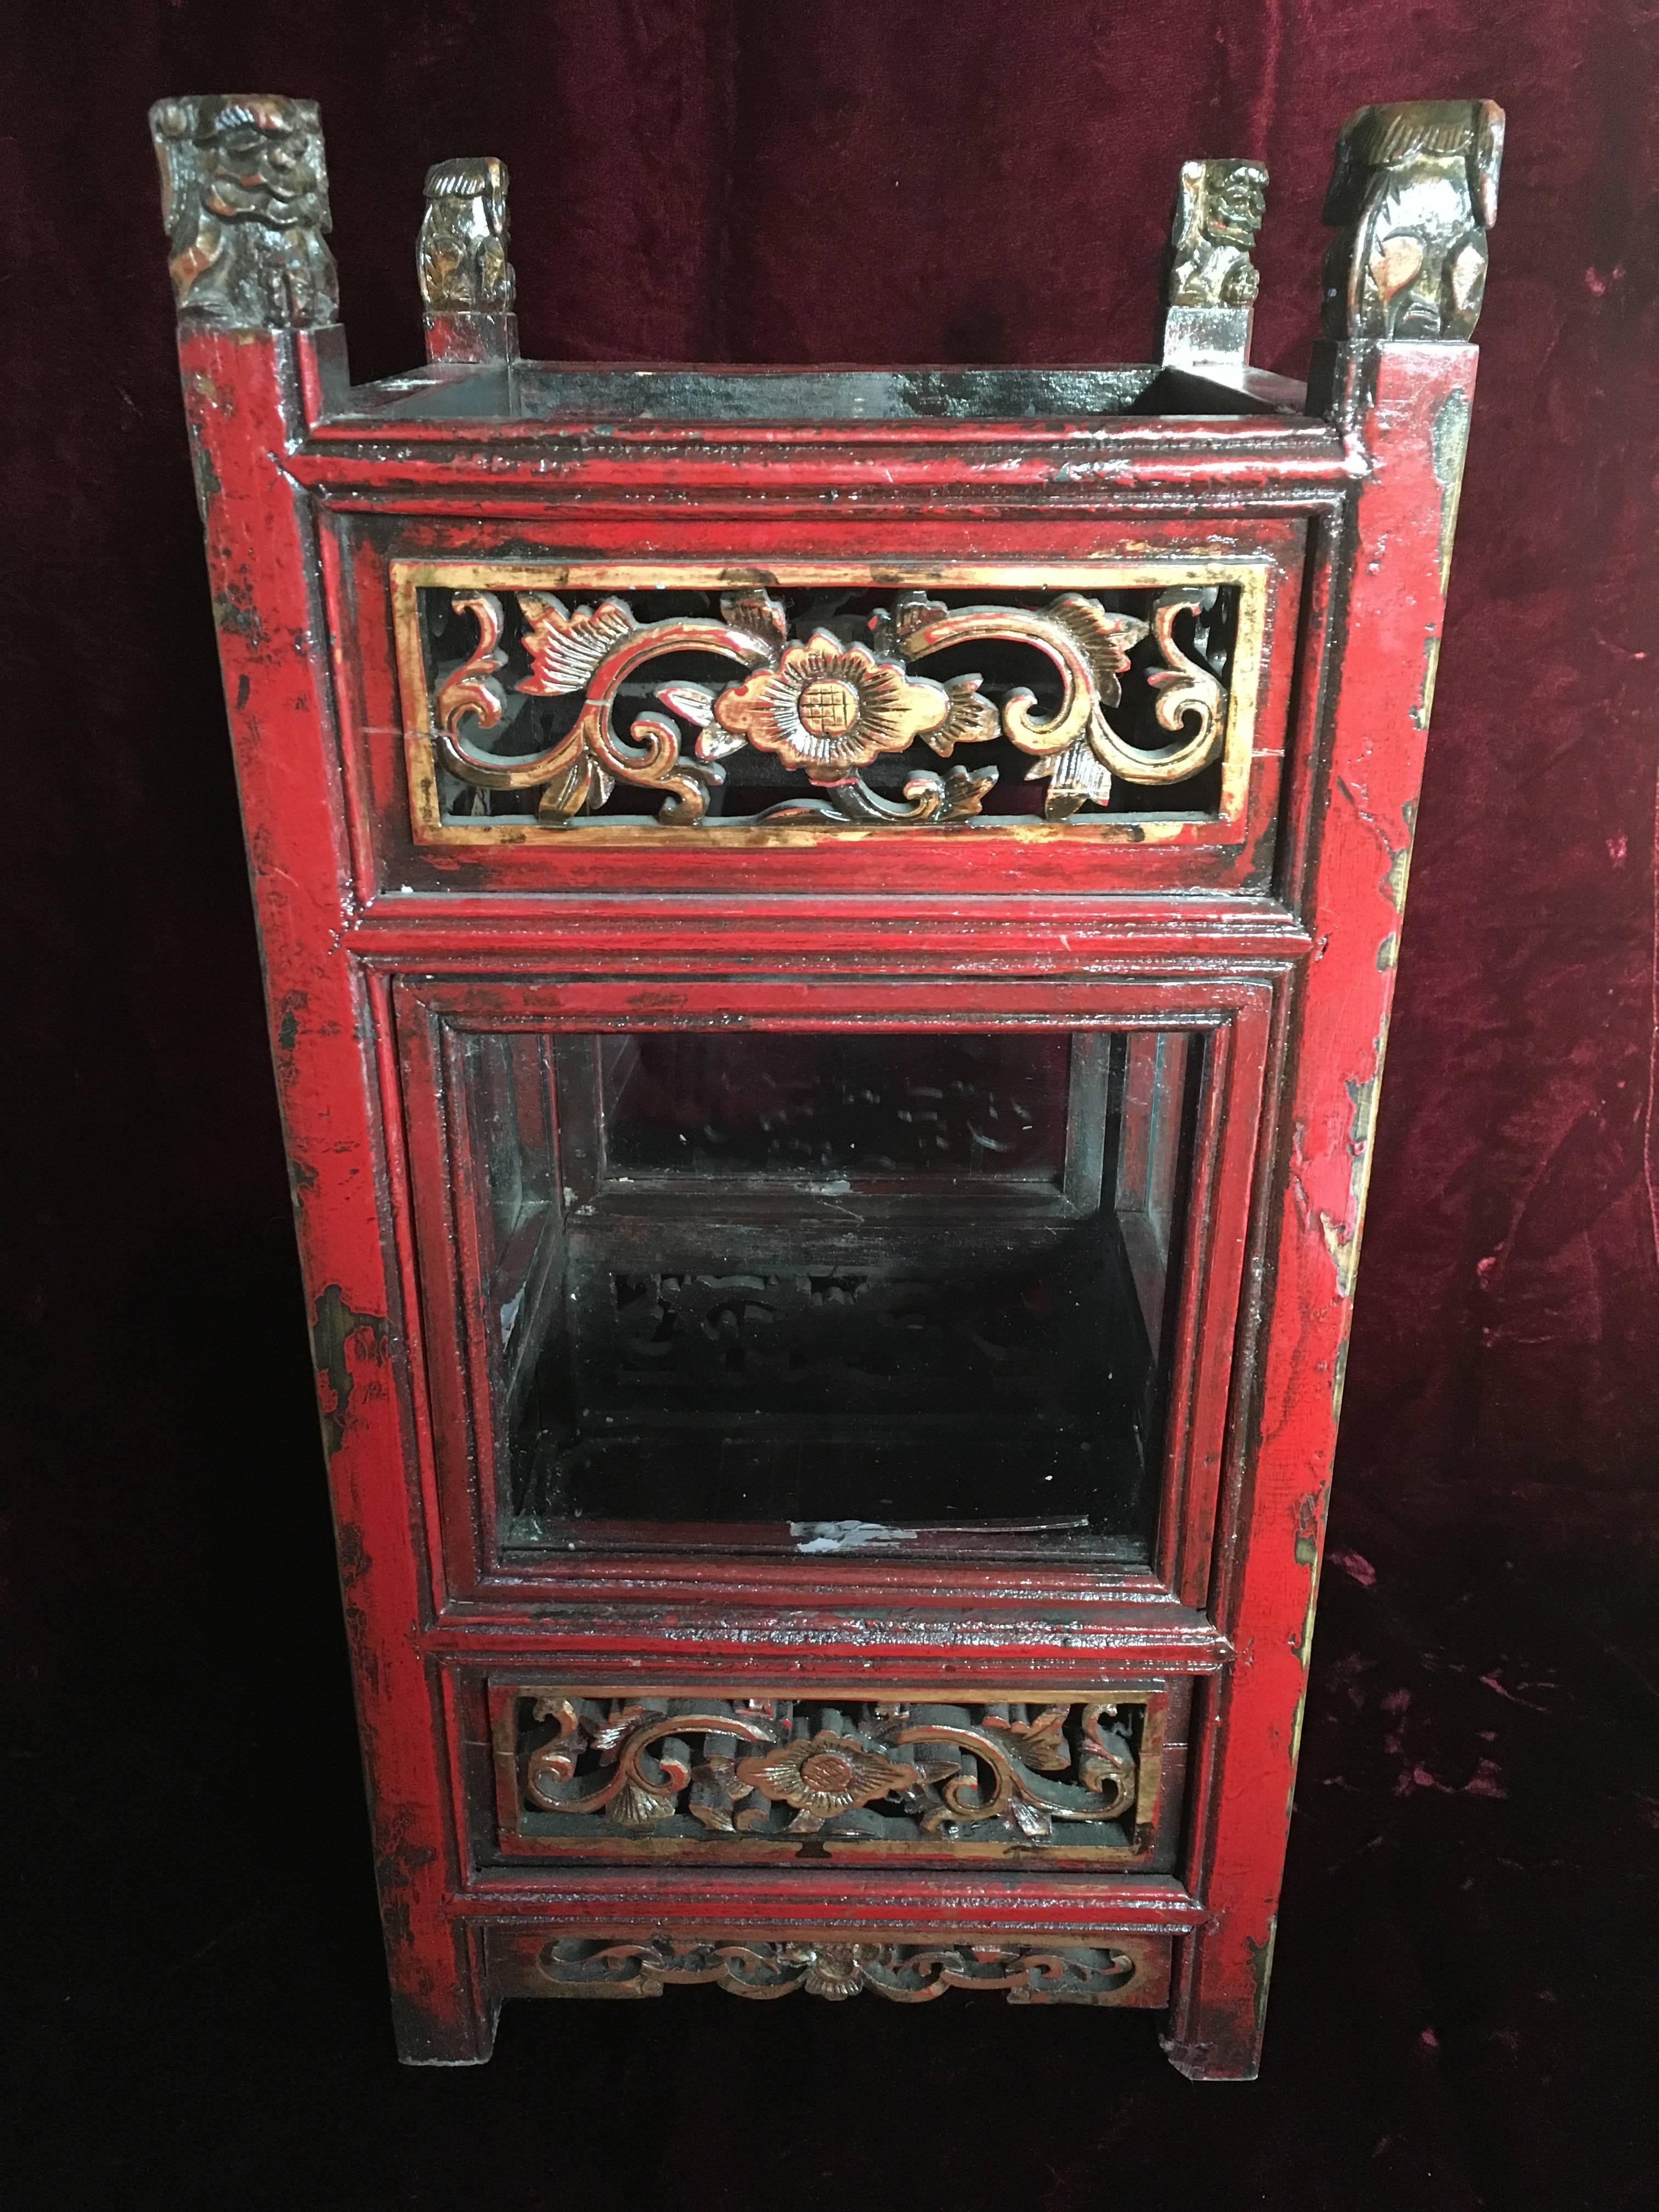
(832, 1292)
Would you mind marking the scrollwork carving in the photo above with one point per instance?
(1414, 193)
(245, 200)
(462, 257)
(1010, 1775)
(907, 1973)
(826, 707)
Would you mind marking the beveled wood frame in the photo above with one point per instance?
(372, 561)
(1235, 1014)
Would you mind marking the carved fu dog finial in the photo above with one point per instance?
(1218, 211)
(245, 199)
(1414, 194)
(463, 252)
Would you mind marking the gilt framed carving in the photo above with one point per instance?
(825, 673)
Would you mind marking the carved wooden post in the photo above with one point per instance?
(245, 200)
(1414, 192)
(466, 279)
(1212, 281)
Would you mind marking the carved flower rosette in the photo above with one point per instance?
(838, 710)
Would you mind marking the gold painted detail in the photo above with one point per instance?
(245, 200)
(1413, 196)
(1219, 212)
(826, 707)
(462, 260)
(909, 1973)
(772, 1772)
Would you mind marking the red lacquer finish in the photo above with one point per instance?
(1266, 922)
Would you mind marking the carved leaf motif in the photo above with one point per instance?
(1106, 639)
(756, 611)
(566, 649)
(1039, 1742)
(634, 1806)
(964, 792)
(693, 702)
(716, 1790)
(714, 743)
(1075, 778)
(619, 1723)
(582, 783)
(971, 720)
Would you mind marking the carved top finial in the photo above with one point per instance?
(1218, 210)
(245, 199)
(1414, 194)
(463, 252)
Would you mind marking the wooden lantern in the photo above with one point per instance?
(828, 937)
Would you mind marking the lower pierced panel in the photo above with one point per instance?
(1089, 1776)
(1115, 1969)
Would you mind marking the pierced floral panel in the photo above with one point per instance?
(1124, 1970)
(581, 1774)
(1118, 701)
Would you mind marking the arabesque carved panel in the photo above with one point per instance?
(540, 702)
(1126, 1969)
(758, 1779)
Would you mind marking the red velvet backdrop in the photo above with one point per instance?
(828, 183)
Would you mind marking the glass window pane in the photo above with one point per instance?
(833, 1290)
(839, 1103)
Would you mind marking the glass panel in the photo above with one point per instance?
(842, 1291)
(510, 1100)
(844, 1104)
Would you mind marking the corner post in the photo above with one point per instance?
(466, 280)
(246, 204)
(1415, 191)
(1212, 281)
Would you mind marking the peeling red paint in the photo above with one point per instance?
(1281, 929)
